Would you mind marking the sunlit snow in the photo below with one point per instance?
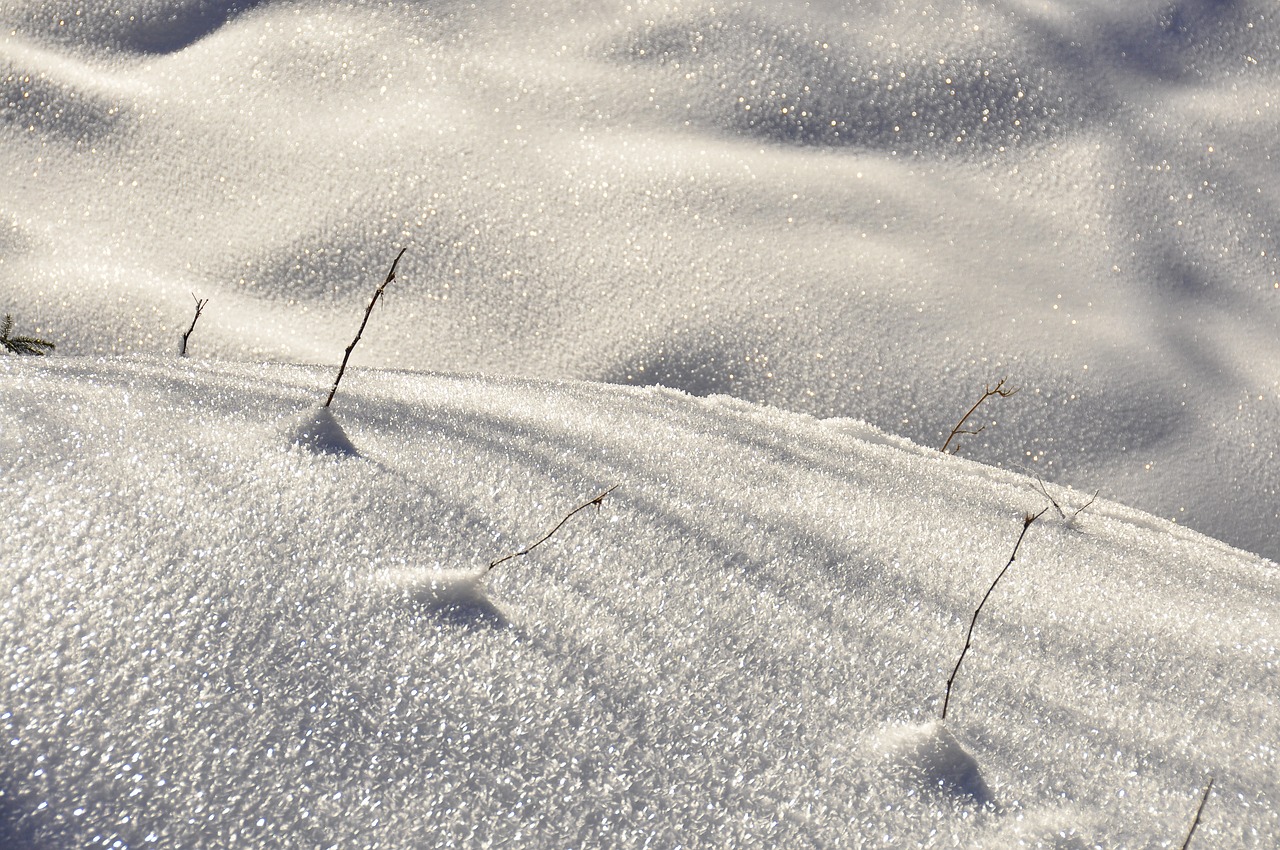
(746, 263)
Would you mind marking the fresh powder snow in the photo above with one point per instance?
(859, 209)
(745, 263)
(215, 636)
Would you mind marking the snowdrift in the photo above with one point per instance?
(869, 210)
(217, 635)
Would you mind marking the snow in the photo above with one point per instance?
(864, 210)
(318, 431)
(216, 637)
(931, 760)
(747, 263)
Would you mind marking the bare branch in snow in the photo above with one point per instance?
(596, 501)
(1195, 823)
(997, 390)
(200, 302)
(391, 275)
(1027, 519)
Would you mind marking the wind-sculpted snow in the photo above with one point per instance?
(213, 637)
(145, 26)
(870, 210)
(940, 84)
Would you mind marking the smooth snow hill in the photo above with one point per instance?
(861, 209)
(223, 628)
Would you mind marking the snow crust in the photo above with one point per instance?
(747, 261)
(868, 210)
(212, 637)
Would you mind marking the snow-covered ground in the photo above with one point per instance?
(214, 637)
(823, 228)
(868, 209)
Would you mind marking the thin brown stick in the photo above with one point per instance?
(1043, 490)
(200, 302)
(997, 390)
(1082, 508)
(1195, 823)
(1027, 519)
(596, 501)
(391, 275)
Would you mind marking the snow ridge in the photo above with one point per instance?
(214, 637)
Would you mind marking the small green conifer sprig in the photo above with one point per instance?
(22, 344)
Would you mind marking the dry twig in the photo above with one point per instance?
(1027, 519)
(200, 302)
(1043, 490)
(596, 501)
(1199, 811)
(997, 390)
(391, 275)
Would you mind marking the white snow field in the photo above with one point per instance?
(748, 262)
(863, 209)
(214, 636)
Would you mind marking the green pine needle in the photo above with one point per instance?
(22, 344)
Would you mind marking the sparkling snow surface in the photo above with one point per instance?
(234, 619)
(215, 637)
(863, 209)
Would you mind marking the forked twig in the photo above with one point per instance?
(391, 275)
(997, 390)
(1199, 811)
(1043, 490)
(200, 302)
(596, 501)
(1027, 519)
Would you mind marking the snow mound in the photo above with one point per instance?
(459, 595)
(318, 431)
(930, 758)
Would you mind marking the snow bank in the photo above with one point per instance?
(855, 210)
(213, 638)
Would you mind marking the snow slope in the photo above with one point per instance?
(862, 209)
(215, 636)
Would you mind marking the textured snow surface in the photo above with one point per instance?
(213, 636)
(863, 209)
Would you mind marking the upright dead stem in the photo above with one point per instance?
(596, 501)
(200, 302)
(1043, 490)
(391, 275)
(997, 390)
(1195, 823)
(1027, 519)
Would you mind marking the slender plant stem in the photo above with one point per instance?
(1043, 490)
(391, 275)
(1195, 823)
(200, 302)
(596, 501)
(997, 390)
(968, 638)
